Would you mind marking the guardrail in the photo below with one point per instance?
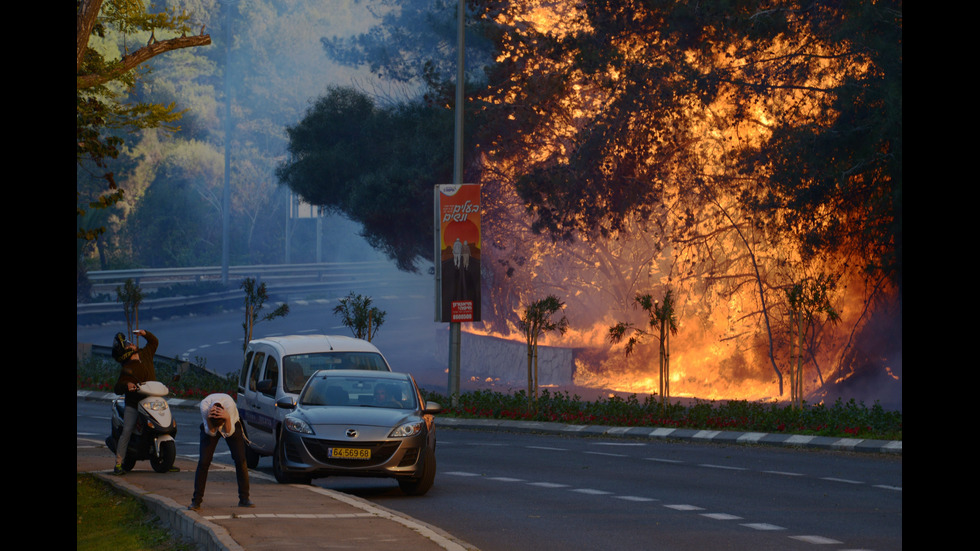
(281, 280)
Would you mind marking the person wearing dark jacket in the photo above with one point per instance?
(136, 368)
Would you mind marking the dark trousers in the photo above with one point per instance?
(236, 443)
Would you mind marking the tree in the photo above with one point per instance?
(662, 324)
(100, 112)
(375, 165)
(357, 314)
(806, 300)
(130, 295)
(535, 321)
(255, 297)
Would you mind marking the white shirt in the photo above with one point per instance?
(228, 403)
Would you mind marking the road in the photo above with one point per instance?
(503, 491)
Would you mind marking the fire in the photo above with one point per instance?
(715, 260)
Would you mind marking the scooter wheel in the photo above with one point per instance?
(168, 454)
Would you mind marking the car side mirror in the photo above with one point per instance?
(286, 402)
(432, 407)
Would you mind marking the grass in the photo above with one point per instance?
(841, 419)
(110, 519)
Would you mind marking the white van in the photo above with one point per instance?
(276, 367)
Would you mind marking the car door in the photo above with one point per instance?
(265, 402)
(255, 413)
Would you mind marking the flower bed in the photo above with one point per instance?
(841, 419)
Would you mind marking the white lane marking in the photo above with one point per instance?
(547, 485)
(547, 448)
(844, 480)
(607, 454)
(657, 459)
(818, 540)
(635, 498)
(683, 507)
(721, 516)
(762, 526)
(710, 466)
(591, 492)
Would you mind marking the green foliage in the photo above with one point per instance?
(375, 165)
(357, 314)
(107, 518)
(842, 419)
(255, 297)
(104, 114)
(536, 320)
(130, 295)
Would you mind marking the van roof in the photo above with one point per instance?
(304, 344)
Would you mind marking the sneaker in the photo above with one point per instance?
(118, 470)
(246, 503)
(194, 506)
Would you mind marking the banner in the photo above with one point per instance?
(458, 244)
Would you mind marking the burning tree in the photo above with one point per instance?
(663, 323)
(807, 299)
(535, 321)
(720, 149)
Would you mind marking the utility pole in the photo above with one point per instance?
(455, 327)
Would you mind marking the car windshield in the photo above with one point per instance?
(331, 390)
(299, 367)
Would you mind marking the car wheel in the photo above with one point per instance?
(279, 472)
(419, 486)
(168, 454)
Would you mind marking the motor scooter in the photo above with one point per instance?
(153, 435)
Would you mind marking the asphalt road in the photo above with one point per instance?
(504, 491)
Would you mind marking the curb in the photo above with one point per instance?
(204, 533)
(690, 435)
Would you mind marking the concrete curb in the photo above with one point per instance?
(692, 435)
(205, 534)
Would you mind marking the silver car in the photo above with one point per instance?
(358, 423)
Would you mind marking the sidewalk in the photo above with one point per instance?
(285, 516)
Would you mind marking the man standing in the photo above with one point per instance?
(220, 419)
(137, 368)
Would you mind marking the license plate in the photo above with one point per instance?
(349, 453)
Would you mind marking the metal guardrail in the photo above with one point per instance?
(281, 280)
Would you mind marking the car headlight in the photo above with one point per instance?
(408, 429)
(297, 425)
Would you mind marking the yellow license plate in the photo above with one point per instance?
(349, 453)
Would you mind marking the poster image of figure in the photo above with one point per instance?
(459, 241)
